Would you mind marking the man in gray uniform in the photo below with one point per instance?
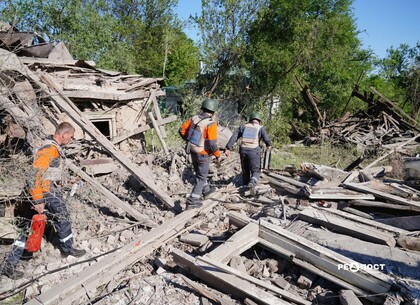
(251, 133)
(200, 132)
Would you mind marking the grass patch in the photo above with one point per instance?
(326, 154)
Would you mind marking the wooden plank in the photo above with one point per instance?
(384, 205)
(158, 115)
(33, 60)
(206, 292)
(157, 130)
(362, 187)
(266, 285)
(143, 129)
(227, 283)
(338, 193)
(394, 299)
(236, 244)
(347, 297)
(68, 106)
(144, 220)
(108, 96)
(372, 223)
(74, 288)
(287, 179)
(310, 267)
(271, 243)
(325, 259)
(347, 227)
(409, 223)
(392, 151)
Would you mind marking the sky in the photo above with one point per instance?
(382, 23)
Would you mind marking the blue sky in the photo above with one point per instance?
(384, 23)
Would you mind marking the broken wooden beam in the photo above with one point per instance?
(338, 193)
(144, 220)
(372, 223)
(158, 114)
(347, 297)
(364, 187)
(392, 151)
(268, 286)
(345, 226)
(325, 259)
(286, 179)
(384, 205)
(143, 128)
(157, 130)
(318, 259)
(225, 282)
(206, 292)
(409, 223)
(74, 288)
(237, 243)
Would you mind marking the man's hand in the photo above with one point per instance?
(227, 153)
(219, 159)
(39, 208)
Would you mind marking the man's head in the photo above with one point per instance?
(64, 133)
(255, 116)
(209, 106)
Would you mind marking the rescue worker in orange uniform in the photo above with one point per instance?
(250, 151)
(46, 195)
(200, 132)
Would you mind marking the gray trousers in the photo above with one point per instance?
(56, 212)
(201, 164)
(251, 165)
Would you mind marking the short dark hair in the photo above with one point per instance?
(64, 127)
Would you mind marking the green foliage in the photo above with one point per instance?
(399, 77)
(183, 61)
(223, 25)
(141, 37)
(315, 41)
(326, 154)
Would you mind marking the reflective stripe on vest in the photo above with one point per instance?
(250, 135)
(196, 133)
(56, 169)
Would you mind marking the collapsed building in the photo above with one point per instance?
(311, 235)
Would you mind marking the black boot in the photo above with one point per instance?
(73, 252)
(193, 203)
(10, 271)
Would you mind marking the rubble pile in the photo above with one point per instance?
(311, 235)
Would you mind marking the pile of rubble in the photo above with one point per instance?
(311, 235)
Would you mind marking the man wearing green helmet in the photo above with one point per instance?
(200, 132)
(250, 151)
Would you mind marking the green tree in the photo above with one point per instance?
(129, 36)
(315, 41)
(223, 25)
(85, 26)
(399, 77)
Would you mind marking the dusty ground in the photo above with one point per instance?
(99, 228)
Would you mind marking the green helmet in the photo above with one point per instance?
(255, 116)
(210, 105)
